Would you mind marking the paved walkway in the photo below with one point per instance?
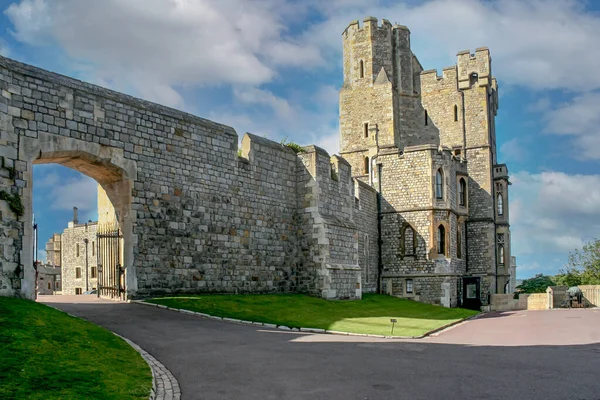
(495, 357)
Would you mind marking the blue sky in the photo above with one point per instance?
(273, 67)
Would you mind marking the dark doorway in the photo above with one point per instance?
(472, 293)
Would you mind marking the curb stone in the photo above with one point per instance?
(164, 384)
(433, 332)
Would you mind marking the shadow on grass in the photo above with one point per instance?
(371, 315)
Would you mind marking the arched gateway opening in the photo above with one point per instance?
(107, 166)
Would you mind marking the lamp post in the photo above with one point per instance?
(86, 265)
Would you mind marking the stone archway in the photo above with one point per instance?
(104, 164)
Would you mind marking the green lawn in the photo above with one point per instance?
(47, 354)
(370, 315)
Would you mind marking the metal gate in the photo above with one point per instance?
(110, 271)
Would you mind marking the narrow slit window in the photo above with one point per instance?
(439, 184)
(455, 113)
(362, 69)
(501, 255)
(426, 118)
(366, 129)
(500, 204)
(462, 192)
(366, 166)
(441, 239)
(459, 241)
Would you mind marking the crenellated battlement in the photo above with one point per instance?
(477, 65)
(430, 79)
(370, 24)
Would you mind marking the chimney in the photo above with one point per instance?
(75, 221)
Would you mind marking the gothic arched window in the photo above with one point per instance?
(462, 192)
(500, 204)
(441, 239)
(501, 255)
(439, 184)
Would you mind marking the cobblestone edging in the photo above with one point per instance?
(310, 330)
(164, 384)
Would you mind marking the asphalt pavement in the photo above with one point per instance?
(523, 355)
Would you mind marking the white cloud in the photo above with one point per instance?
(4, 50)
(553, 211)
(252, 95)
(514, 149)
(580, 118)
(42, 256)
(533, 43)
(65, 193)
(158, 45)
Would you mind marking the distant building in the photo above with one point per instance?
(53, 250)
(74, 252)
(78, 256)
(48, 279)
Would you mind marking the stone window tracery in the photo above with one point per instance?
(500, 242)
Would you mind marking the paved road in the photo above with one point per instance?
(526, 355)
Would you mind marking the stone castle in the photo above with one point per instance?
(415, 205)
(427, 145)
(75, 250)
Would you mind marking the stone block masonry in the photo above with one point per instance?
(195, 216)
(417, 206)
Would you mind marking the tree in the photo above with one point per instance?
(570, 277)
(537, 284)
(585, 263)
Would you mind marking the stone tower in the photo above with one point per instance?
(427, 144)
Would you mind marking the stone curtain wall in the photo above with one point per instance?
(71, 237)
(328, 234)
(195, 216)
(365, 212)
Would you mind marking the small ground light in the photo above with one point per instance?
(393, 321)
